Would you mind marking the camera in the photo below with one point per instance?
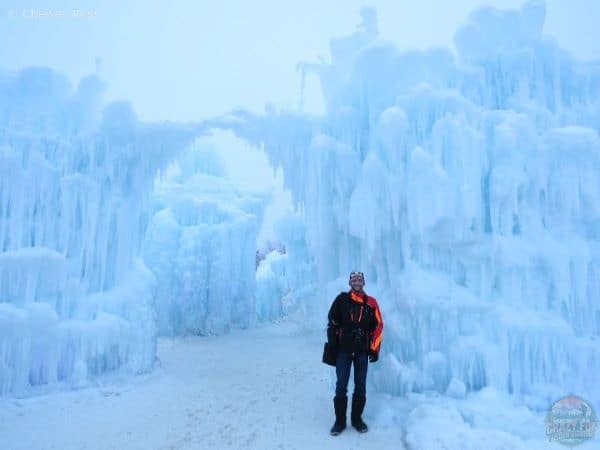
(358, 336)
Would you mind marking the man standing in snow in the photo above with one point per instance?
(355, 330)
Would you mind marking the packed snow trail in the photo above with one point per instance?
(243, 390)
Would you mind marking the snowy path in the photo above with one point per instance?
(244, 390)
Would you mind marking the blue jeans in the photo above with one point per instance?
(342, 369)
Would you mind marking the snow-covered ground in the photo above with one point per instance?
(242, 390)
(247, 390)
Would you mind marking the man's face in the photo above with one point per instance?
(357, 285)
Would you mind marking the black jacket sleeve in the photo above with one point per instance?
(334, 321)
(334, 317)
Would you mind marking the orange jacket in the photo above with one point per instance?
(377, 335)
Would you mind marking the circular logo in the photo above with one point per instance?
(570, 421)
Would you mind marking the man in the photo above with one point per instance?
(355, 329)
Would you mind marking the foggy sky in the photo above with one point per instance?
(187, 60)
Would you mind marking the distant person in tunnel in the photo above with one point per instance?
(354, 333)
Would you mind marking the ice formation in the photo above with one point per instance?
(286, 280)
(75, 298)
(201, 244)
(466, 185)
(113, 231)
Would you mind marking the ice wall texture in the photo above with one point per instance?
(201, 244)
(75, 300)
(467, 187)
(286, 279)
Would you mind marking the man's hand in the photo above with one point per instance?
(373, 356)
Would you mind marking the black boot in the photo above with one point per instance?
(340, 404)
(358, 405)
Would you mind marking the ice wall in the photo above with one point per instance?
(201, 245)
(466, 185)
(75, 300)
(286, 278)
